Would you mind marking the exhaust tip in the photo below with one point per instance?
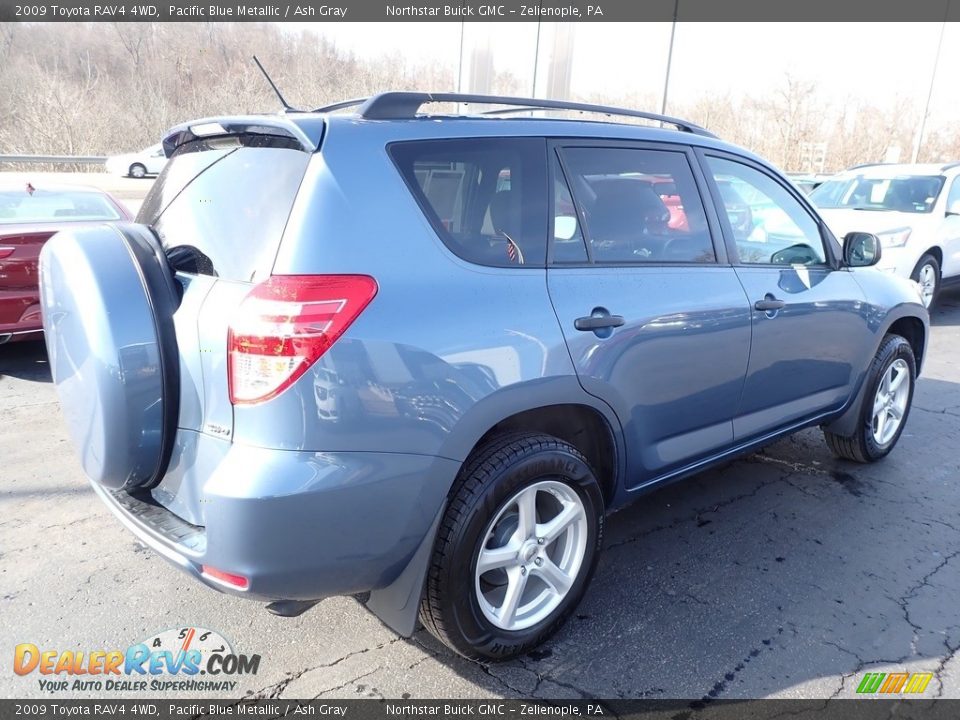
(290, 608)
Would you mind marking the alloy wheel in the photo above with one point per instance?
(927, 277)
(890, 402)
(531, 554)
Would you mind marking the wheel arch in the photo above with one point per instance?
(582, 426)
(902, 321)
(937, 253)
(547, 404)
(556, 406)
(913, 330)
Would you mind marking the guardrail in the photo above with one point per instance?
(55, 159)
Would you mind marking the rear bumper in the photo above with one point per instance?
(15, 335)
(25, 306)
(296, 525)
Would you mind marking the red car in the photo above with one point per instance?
(29, 216)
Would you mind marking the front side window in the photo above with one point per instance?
(485, 197)
(953, 199)
(639, 206)
(769, 225)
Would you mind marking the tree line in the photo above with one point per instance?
(99, 89)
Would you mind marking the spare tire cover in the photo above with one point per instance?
(108, 298)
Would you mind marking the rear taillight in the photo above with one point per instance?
(285, 325)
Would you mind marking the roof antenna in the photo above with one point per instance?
(286, 105)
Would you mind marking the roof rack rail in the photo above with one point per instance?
(404, 105)
(950, 166)
(866, 165)
(342, 105)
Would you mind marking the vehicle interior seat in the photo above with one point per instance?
(629, 217)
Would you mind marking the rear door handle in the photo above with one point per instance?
(598, 322)
(768, 304)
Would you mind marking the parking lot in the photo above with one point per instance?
(785, 573)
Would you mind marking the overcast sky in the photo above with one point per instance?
(875, 61)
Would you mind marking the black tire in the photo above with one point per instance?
(137, 170)
(450, 609)
(928, 260)
(862, 447)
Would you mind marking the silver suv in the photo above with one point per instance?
(418, 357)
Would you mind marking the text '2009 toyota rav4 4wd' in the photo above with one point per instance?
(418, 357)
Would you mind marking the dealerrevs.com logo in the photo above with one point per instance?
(182, 660)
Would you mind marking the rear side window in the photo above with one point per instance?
(220, 205)
(639, 205)
(485, 197)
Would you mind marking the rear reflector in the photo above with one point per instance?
(237, 581)
(285, 325)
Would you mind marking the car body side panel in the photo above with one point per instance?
(674, 372)
(950, 239)
(805, 358)
(394, 382)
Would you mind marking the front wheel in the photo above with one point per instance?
(516, 549)
(927, 275)
(137, 171)
(885, 405)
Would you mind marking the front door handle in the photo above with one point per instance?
(598, 322)
(769, 304)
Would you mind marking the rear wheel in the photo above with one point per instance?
(516, 548)
(927, 274)
(137, 171)
(885, 405)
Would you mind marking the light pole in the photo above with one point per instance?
(666, 77)
(460, 61)
(536, 60)
(933, 78)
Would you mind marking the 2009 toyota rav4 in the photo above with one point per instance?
(417, 358)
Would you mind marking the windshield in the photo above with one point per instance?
(906, 193)
(31, 206)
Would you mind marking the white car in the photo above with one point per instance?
(913, 209)
(140, 164)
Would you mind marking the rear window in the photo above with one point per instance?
(26, 206)
(485, 197)
(220, 206)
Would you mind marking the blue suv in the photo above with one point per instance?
(417, 357)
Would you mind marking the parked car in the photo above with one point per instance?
(913, 209)
(331, 357)
(149, 161)
(807, 182)
(29, 216)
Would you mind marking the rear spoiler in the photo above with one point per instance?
(306, 131)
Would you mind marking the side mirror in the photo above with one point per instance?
(861, 249)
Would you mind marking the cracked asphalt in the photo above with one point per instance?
(783, 574)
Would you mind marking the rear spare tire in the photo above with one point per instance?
(108, 296)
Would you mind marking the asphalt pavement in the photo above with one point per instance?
(783, 574)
